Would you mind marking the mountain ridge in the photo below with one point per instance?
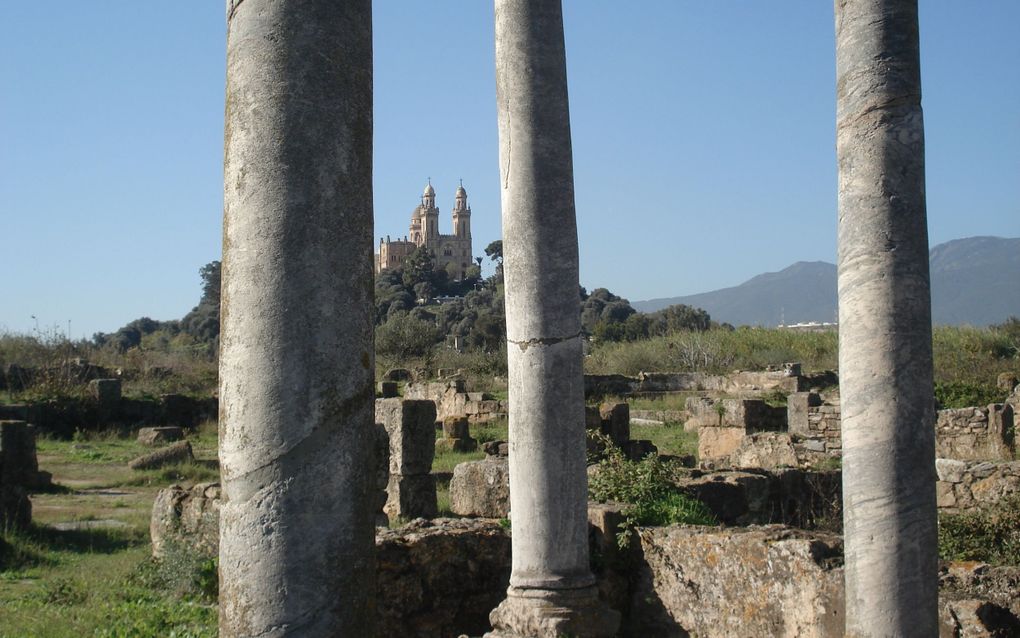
(975, 280)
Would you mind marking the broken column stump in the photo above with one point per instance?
(410, 425)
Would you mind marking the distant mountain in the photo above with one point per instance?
(974, 281)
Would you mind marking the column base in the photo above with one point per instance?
(553, 613)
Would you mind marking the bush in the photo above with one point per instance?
(990, 535)
(961, 394)
(649, 486)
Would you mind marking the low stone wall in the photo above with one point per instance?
(965, 486)
(752, 415)
(980, 433)
(63, 417)
(788, 379)
(440, 578)
(452, 400)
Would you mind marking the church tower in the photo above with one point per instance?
(429, 215)
(462, 215)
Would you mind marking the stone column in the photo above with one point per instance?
(552, 590)
(885, 353)
(296, 357)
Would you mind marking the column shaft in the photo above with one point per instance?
(885, 353)
(551, 585)
(548, 484)
(296, 357)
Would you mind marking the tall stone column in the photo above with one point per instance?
(552, 590)
(885, 350)
(296, 356)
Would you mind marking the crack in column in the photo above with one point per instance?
(542, 341)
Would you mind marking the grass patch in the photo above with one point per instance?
(668, 439)
(194, 472)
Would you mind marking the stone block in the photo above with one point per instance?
(976, 618)
(615, 421)
(410, 424)
(945, 495)
(606, 521)
(798, 404)
(814, 445)
(481, 488)
(718, 443)
(766, 450)
(388, 389)
(455, 428)
(179, 452)
(496, 448)
(188, 518)
(18, 462)
(409, 497)
(160, 435)
(715, 583)
(592, 418)
(440, 578)
(456, 445)
(106, 392)
(950, 470)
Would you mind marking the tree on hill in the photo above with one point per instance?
(203, 322)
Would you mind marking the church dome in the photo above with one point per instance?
(429, 191)
(461, 192)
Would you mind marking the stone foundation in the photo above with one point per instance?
(965, 486)
(972, 434)
(442, 578)
(453, 400)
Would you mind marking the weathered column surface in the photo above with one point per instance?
(296, 358)
(885, 355)
(552, 590)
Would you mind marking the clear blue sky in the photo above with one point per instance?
(703, 140)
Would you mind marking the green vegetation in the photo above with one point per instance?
(649, 486)
(101, 582)
(668, 439)
(990, 535)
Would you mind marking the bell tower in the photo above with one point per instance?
(461, 214)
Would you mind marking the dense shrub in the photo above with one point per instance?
(649, 486)
(990, 535)
(961, 394)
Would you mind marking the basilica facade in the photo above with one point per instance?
(451, 253)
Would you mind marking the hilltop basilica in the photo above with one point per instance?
(452, 253)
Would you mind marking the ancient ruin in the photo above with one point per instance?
(296, 368)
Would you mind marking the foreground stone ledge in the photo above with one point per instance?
(756, 581)
(440, 578)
